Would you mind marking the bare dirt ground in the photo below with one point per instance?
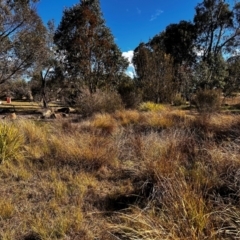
(28, 110)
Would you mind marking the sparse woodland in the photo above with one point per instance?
(156, 156)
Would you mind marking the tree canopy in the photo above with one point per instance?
(21, 36)
(91, 56)
(218, 28)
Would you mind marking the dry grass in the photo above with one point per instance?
(11, 141)
(127, 117)
(127, 175)
(152, 107)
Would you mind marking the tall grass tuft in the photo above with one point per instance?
(36, 136)
(7, 209)
(104, 122)
(11, 141)
(127, 117)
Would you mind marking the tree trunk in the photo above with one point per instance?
(43, 90)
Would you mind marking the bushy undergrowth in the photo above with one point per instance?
(178, 100)
(127, 175)
(207, 101)
(99, 102)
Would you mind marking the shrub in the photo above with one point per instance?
(104, 102)
(131, 100)
(207, 101)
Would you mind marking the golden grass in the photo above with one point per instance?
(128, 175)
(6, 209)
(83, 150)
(152, 107)
(11, 141)
(156, 120)
(127, 117)
(105, 122)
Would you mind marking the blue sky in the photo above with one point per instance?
(131, 21)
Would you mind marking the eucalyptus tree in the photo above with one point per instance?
(218, 36)
(49, 70)
(178, 40)
(91, 56)
(155, 75)
(218, 28)
(21, 36)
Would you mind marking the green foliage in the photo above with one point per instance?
(232, 81)
(11, 141)
(129, 92)
(155, 73)
(177, 40)
(21, 35)
(208, 101)
(196, 50)
(210, 74)
(17, 88)
(217, 25)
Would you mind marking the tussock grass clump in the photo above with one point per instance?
(36, 138)
(11, 141)
(217, 127)
(163, 120)
(156, 120)
(182, 214)
(127, 117)
(83, 150)
(105, 122)
(34, 132)
(159, 155)
(6, 209)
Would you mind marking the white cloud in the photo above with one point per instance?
(128, 55)
(236, 52)
(156, 14)
(199, 52)
(130, 70)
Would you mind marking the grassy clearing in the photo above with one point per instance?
(127, 175)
